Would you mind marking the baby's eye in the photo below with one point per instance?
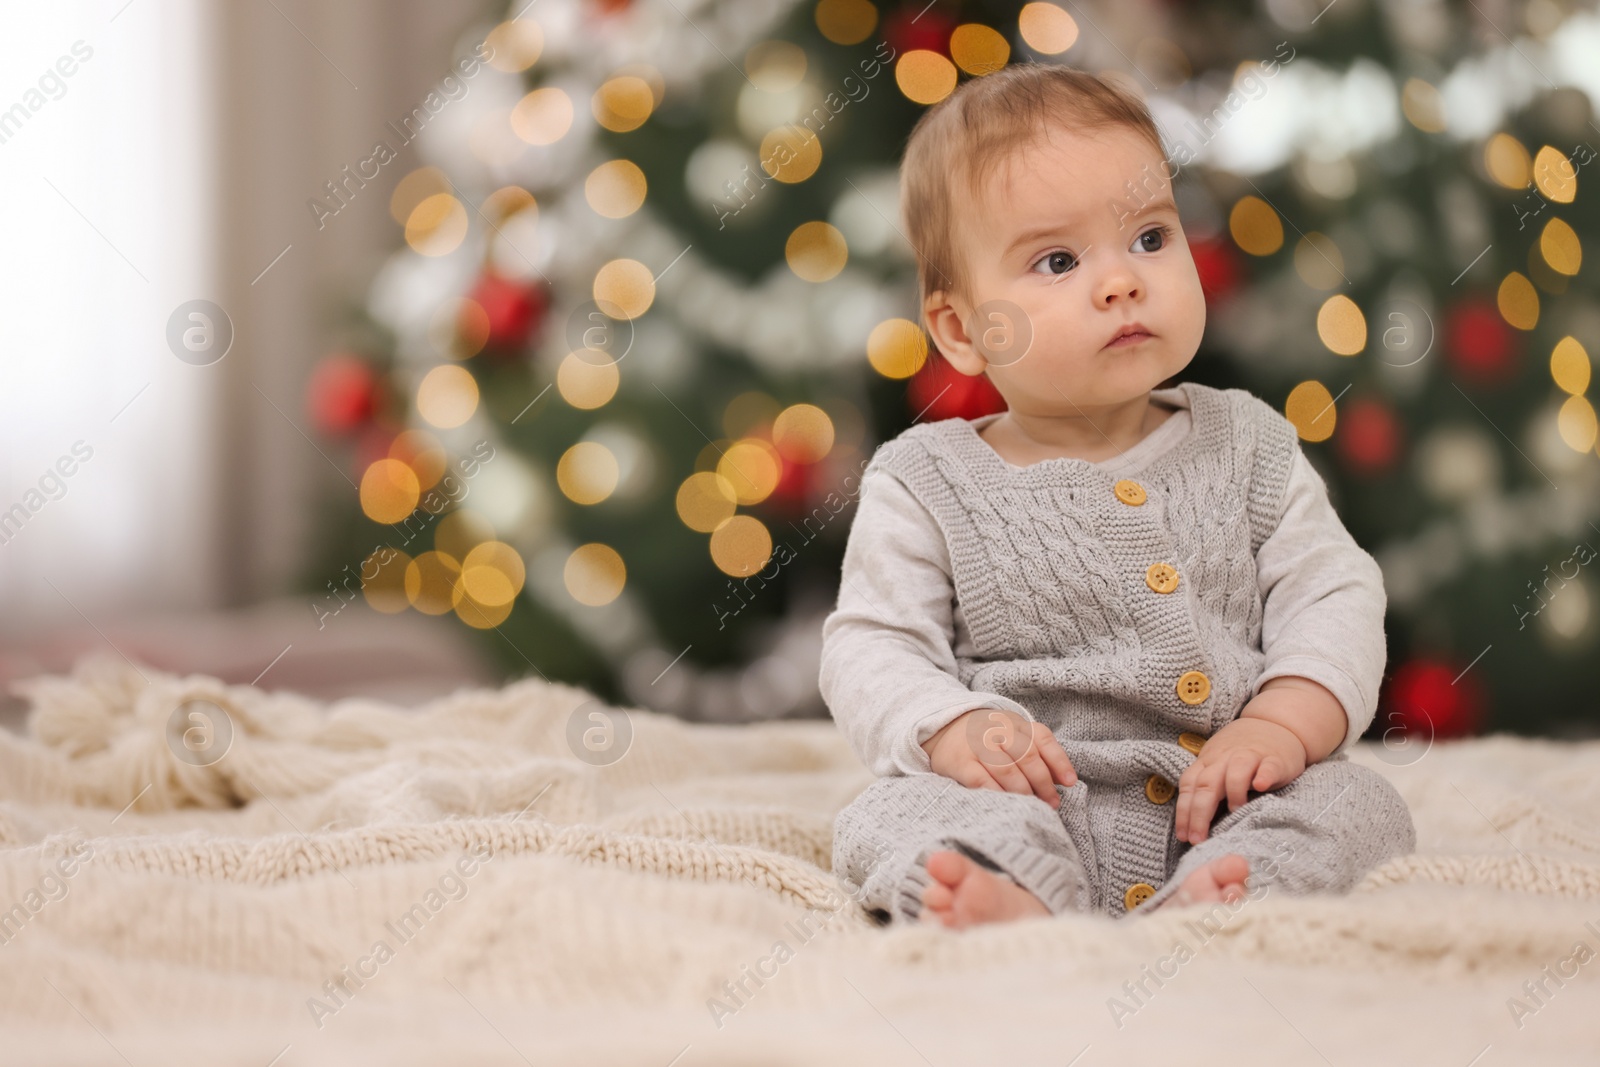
(1162, 233)
(1056, 263)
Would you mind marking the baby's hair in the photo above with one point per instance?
(957, 144)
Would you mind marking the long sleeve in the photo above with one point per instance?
(888, 670)
(1324, 602)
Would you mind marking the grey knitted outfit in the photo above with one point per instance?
(1049, 564)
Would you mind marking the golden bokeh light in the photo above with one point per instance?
(459, 532)
(978, 49)
(515, 45)
(925, 77)
(383, 580)
(1047, 28)
(775, 66)
(1341, 325)
(623, 103)
(1423, 105)
(587, 379)
(510, 200)
(1576, 423)
(422, 453)
(430, 582)
(741, 546)
(543, 116)
(1507, 161)
(389, 491)
(752, 467)
(749, 414)
(1311, 409)
(897, 348)
(803, 433)
(479, 616)
(413, 189)
(587, 472)
(1518, 301)
(624, 289)
(437, 226)
(1569, 366)
(1559, 245)
(447, 396)
(816, 251)
(615, 189)
(705, 500)
(791, 153)
(594, 574)
(1318, 261)
(1555, 176)
(846, 21)
(492, 574)
(1255, 226)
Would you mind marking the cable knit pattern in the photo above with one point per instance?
(1049, 567)
(209, 909)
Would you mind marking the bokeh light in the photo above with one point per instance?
(1576, 422)
(594, 574)
(389, 491)
(385, 589)
(1559, 245)
(615, 189)
(587, 379)
(791, 153)
(1569, 366)
(1423, 105)
(978, 49)
(587, 472)
(447, 396)
(515, 45)
(624, 289)
(816, 251)
(437, 225)
(1341, 325)
(1255, 226)
(846, 21)
(413, 189)
(1046, 28)
(492, 574)
(543, 116)
(752, 467)
(623, 103)
(1507, 161)
(897, 348)
(705, 500)
(430, 582)
(741, 546)
(924, 77)
(1554, 175)
(1518, 301)
(803, 433)
(1311, 409)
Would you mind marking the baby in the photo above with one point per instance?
(1128, 602)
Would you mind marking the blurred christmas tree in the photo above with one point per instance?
(654, 313)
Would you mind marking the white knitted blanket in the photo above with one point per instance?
(358, 883)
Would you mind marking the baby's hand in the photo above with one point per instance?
(1246, 754)
(993, 749)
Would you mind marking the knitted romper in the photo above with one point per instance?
(1052, 566)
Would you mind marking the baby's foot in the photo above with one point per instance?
(1221, 879)
(964, 893)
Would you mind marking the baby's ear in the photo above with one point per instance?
(946, 323)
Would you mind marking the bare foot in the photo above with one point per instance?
(1221, 879)
(964, 893)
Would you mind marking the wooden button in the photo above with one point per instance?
(1162, 577)
(1158, 789)
(1137, 894)
(1129, 492)
(1193, 742)
(1193, 687)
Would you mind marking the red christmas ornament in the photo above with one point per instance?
(918, 26)
(1479, 343)
(342, 394)
(1218, 267)
(1368, 435)
(1426, 700)
(514, 310)
(939, 391)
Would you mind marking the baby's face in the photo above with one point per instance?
(1062, 246)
